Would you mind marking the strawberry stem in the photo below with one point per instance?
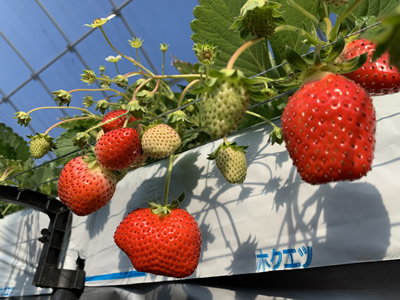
(240, 50)
(335, 30)
(60, 107)
(100, 90)
(184, 92)
(68, 120)
(168, 179)
(261, 117)
(299, 31)
(136, 63)
(304, 12)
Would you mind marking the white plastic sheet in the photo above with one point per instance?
(272, 221)
(20, 252)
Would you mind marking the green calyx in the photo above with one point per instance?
(258, 18)
(258, 88)
(165, 209)
(224, 145)
(177, 120)
(325, 59)
(205, 53)
(23, 118)
(62, 97)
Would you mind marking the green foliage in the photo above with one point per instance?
(15, 159)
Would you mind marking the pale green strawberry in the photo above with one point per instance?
(160, 141)
(231, 161)
(40, 145)
(259, 18)
(224, 106)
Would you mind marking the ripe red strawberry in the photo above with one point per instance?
(83, 189)
(376, 77)
(118, 149)
(167, 245)
(328, 126)
(118, 123)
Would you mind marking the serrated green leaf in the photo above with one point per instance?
(12, 146)
(213, 19)
(368, 8)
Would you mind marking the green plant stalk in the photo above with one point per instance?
(101, 90)
(240, 50)
(348, 11)
(184, 92)
(162, 80)
(299, 31)
(9, 205)
(137, 58)
(304, 12)
(261, 117)
(60, 107)
(123, 55)
(116, 67)
(168, 179)
(69, 120)
(139, 87)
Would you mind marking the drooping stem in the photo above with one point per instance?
(69, 120)
(101, 90)
(136, 63)
(304, 12)
(335, 30)
(184, 92)
(299, 31)
(60, 107)
(240, 50)
(261, 117)
(168, 179)
(106, 122)
(139, 87)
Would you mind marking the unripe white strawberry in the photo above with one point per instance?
(231, 161)
(160, 141)
(225, 105)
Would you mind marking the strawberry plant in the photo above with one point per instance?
(257, 60)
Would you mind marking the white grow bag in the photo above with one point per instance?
(273, 221)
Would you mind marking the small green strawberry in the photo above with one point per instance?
(224, 105)
(40, 145)
(160, 141)
(231, 161)
(258, 17)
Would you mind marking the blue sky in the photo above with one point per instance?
(27, 28)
